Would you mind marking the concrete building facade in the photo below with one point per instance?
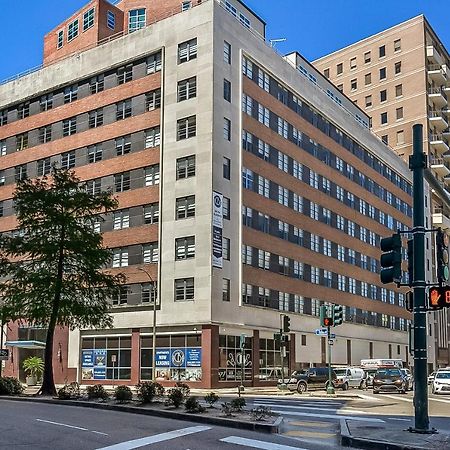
(249, 187)
(400, 77)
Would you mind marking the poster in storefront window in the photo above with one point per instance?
(179, 364)
(93, 364)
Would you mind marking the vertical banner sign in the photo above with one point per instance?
(217, 226)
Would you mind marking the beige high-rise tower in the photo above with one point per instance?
(401, 77)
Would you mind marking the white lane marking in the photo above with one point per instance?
(409, 400)
(136, 443)
(368, 397)
(62, 424)
(329, 416)
(258, 444)
(439, 400)
(70, 426)
(295, 407)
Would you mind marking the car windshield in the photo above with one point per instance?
(443, 375)
(340, 372)
(383, 373)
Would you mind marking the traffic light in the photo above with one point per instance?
(442, 241)
(328, 321)
(391, 259)
(410, 261)
(286, 324)
(338, 315)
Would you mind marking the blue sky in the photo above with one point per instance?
(314, 28)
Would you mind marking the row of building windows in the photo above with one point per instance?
(291, 133)
(84, 88)
(73, 27)
(294, 303)
(353, 63)
(280, 229)
(96, 118)
(382, 75)
(269, 189)
(120, 146)
(270, 85)
(283, 265)
(303, 173)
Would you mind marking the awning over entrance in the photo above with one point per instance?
(25, 344)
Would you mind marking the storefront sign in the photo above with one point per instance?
(193, 357)
(179, 357)
(87, 358)
(162, 357)
(93, 364)
(99, 373)
(217, 226)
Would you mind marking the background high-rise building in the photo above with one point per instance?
(249, 187)
(401, 76)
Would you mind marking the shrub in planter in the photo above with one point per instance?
(148, 390)
(211, 398)
(69, 391)
(97, 391)
(184, 388)
(227, 409)
(10, 386)
(175, 397)
(192, 405)
(261, 413)
(123, 394)
(34, 368)
(238, 403)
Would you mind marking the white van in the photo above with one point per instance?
(347, 377)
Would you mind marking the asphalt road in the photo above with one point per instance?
(309, 423)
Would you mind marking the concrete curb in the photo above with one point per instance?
(347, 440)
(253, 426)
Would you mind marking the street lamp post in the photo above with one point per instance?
(154, 326)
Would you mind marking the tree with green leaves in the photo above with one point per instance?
(55, 272)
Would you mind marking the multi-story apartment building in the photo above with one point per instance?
(400, 77)
(249, 186)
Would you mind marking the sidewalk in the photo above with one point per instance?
(389, 437)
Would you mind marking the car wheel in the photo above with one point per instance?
(345, 387)
(362, 385)
(301, 388)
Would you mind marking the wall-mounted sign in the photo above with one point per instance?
(217, 227)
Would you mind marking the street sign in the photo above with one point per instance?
(330, 341)
(321, 331)
(332, 336)
(4, 354)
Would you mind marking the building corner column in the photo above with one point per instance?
(135, 355)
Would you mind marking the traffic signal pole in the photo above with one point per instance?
(330, 387)
(417, 164)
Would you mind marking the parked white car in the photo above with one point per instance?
(347, 377)
(441, 382)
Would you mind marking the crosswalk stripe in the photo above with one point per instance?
(409, 400)
(310, 424)
(368, 397)
(439, 400)
(309, 434)
(328, 416)
(136, 443)
(295, 407)
(264, 445)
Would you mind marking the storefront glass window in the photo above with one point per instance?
(230, 364)
(270, 360)
(106, 358)
(178, 358)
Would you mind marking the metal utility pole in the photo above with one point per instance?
(330, 387)
(154, 324)
(417, 163)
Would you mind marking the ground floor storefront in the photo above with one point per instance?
(203, 357)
